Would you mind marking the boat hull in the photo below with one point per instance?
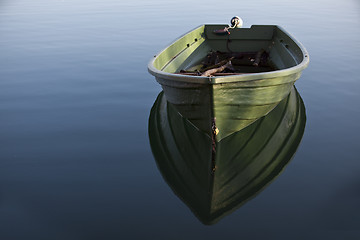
(229, 102)
(230, 105)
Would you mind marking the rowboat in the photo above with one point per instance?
(214, 180)
(267, 60)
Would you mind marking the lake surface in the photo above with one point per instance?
(75, 101)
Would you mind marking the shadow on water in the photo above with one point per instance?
(216, 178)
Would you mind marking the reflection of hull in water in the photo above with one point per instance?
(216, 181)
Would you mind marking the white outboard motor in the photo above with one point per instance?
(236, 22)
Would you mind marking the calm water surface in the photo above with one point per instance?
(75, 99)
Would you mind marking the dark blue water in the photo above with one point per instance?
(75, 98)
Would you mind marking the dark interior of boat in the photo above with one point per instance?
(219, 63)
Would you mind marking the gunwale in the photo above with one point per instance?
(247, 77)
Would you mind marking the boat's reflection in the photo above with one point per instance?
(214, 179)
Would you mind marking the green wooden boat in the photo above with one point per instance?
(231, 102)
(214, 179)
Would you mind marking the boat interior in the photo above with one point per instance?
(260, 48)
